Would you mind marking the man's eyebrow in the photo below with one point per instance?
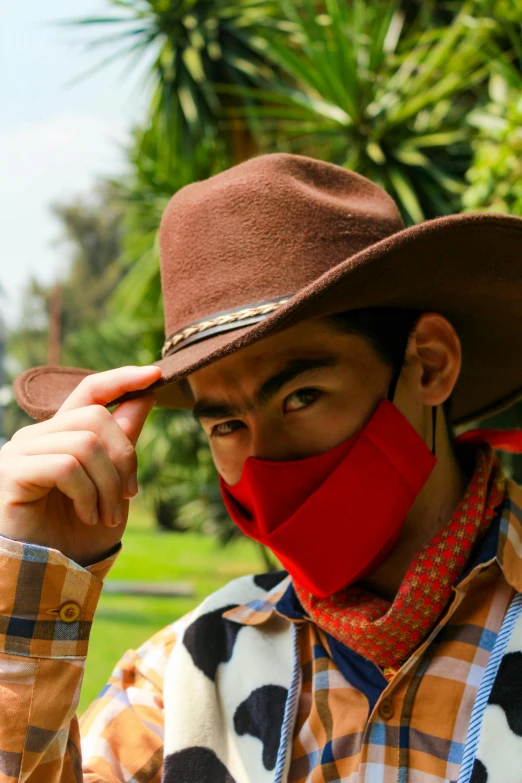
(207, 409)
(290, 372)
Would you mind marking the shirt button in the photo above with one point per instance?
(386, 709)
(69, 612)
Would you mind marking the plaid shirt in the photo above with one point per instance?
(352, 723)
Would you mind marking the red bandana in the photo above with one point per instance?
(388, 633)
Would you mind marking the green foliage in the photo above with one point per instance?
(92, 232)
(495, 176)
(189, 46)
(360, 89)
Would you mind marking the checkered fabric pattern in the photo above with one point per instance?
(42, 659)
(44, 580)
(418, 725)
(123, 729)
(413, 728)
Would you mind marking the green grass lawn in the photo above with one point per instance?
(124, 622)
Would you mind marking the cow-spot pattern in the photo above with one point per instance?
(210, 640)
(251, 717)
(192, 764)
(500, 759)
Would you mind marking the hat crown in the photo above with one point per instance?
(263, 230)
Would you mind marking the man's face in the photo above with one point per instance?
(292, 395)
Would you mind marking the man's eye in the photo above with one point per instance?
(301, 398)
(225, 428)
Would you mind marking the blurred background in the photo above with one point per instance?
(107, 114)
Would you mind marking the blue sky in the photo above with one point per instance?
(55, 140)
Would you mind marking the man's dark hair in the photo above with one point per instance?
(387, 329)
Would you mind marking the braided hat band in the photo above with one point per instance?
(221, 322)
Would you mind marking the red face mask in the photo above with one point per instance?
(333, 518)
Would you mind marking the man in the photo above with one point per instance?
(328, 353)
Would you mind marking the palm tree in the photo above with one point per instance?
(189, 46)
(359, 90)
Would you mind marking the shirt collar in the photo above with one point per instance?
(509, 551)
(260, 609)
(282, 600)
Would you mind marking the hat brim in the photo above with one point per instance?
(466, 267)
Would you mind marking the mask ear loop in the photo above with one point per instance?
(395, 379)
(391, 394)
(393, 385)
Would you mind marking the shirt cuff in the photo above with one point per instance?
(47, 601)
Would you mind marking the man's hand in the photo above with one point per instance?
(65, 482)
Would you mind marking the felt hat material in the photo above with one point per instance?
(281, 238)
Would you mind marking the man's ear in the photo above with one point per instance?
(438, 350)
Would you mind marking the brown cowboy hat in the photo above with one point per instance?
(281, 238)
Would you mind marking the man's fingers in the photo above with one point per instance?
(104, 387)
(29, 478)
(117, 431)
(90, 453)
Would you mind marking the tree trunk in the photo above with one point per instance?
(166, 515)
